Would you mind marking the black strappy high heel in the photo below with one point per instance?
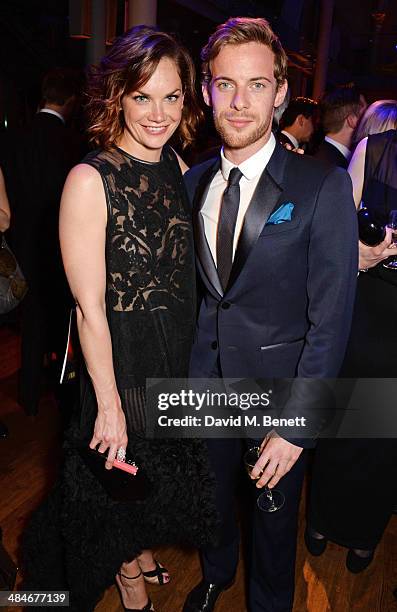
(157, 575)
(147, 608)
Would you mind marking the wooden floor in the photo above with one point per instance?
(28, 460)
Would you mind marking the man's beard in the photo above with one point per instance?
(239, 140)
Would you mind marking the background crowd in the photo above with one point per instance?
(339, 129)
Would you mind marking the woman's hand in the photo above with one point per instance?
(289, 147)
(110, 432)
(371, 256)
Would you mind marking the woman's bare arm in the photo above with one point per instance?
(5, 214)
(368, 256)
(83, 218)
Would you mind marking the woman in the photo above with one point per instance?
(379, 117)
(127, 248)
(354, 486)
(5, 216)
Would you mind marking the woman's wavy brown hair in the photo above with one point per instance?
(130, 63)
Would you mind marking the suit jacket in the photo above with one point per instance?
(39, 160)
(283, 139)
(287, 309)
(328, 153)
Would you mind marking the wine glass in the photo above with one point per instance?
(270, 500)
(391, 263)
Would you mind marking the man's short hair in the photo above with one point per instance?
(337, 105)
(241, 30)
(297, 106)
(59, 85)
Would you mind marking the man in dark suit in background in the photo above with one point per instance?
(340, 111)
(296, 123)
(38, 162)
(276, 243)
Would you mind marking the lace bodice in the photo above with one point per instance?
(150, 265)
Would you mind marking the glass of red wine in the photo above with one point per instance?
(370, 232)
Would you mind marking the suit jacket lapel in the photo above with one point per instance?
(263, 202)
(202, 248)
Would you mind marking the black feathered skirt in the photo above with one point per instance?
(79, 537)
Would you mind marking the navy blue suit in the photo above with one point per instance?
(327, 152)
(286, 312)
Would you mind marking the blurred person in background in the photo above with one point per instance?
(340, 112)
(296, 122)
(37, 165)
(4, 206)
(4, 225)
(379, 117)
(354, 487)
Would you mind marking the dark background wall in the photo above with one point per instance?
(34, 37)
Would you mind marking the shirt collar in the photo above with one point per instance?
(52, 112)
(254, 165)
(341, 147)
(291, 138)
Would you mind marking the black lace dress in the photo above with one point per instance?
(79, 537)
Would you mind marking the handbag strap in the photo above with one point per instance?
(65, 358)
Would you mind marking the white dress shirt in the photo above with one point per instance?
(251, 169)
(291, 138)
(52, 112)
(341, 147)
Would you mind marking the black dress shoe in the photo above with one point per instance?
(315, 546)
(3, 430)
(355, 563)
(204, 596)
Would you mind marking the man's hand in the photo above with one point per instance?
(371, 256)
(277, 458)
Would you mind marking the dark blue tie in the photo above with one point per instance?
(226, 226)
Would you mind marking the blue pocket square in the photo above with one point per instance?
(282, 214)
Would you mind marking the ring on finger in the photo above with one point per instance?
(121, 454)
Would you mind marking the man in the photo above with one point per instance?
(296, 122)
(340, 111)
(37, 166)
(277, 298)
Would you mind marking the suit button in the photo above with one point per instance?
(226, 305)
(214, 345)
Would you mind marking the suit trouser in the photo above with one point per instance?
(33, 348)
(272, 549)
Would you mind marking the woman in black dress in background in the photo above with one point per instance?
(127, 247)
(354, 485)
